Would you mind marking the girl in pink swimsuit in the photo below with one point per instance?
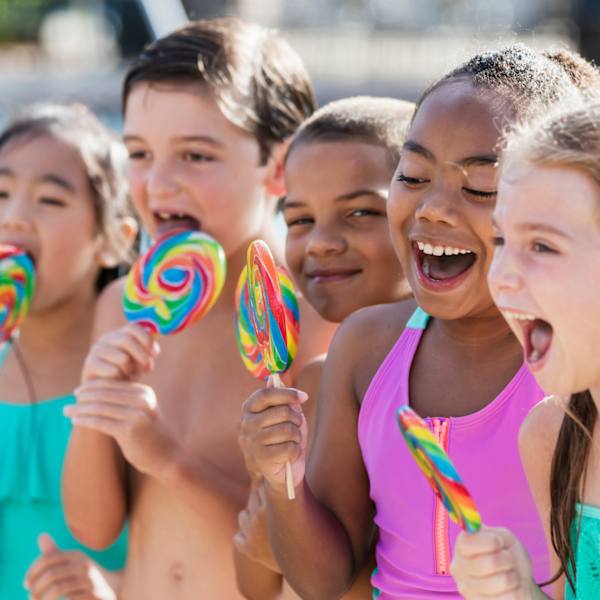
(454, 360)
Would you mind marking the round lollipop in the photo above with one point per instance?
(17, 284)
(175, 283)
(438, 469)
(267, 318)
(244, 330)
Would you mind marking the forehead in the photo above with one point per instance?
(346, 160)
(458, 120)
(176, 110)
(552, 194)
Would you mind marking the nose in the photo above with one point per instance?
(15, 215)
(504, 276)
(324, 241)
(437, 206)
(161, 182)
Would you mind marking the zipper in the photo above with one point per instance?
(441, 542)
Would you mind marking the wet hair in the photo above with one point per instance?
(257, 79)
(524, 79)
(104, 158)
(378, 121)
(568, 138)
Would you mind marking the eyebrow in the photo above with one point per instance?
(542, 228)
(342, 198)
(480, 160)
(47, 178)
(205, 139)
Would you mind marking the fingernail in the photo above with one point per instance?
(155, 348)
(302, 396)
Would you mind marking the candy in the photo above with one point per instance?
(438, 469)
(261, 309)
(175, 283)
(17, 284)
(244, 330)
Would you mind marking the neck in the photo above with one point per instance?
(66, 325)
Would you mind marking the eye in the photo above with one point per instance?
(3, 195)
(138, 155)
(300, 221)
(365, 212)
(410, 181)
(48, 201)
(480, 193)
(541, 248)
(197, 157)
(498, 240)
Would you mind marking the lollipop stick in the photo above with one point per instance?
(275, 381)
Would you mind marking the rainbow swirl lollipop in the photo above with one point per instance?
(175, 283)
(17, 284)
(244, 330)
(438, 469)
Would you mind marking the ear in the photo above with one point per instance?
(128, 229)
(274, 179)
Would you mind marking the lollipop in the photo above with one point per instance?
(244, 330)
(17, 283)
(175, 283)
(261, 310)
(438, 469)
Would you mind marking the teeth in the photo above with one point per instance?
(518, 316)
(164, 216)
(440, 250)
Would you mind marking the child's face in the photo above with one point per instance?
(338, 245)
(545, 273)
(441, 200)
(190, 167)
(47, 208)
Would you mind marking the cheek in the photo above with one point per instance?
(294, 254)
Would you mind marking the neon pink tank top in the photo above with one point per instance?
(416, 536)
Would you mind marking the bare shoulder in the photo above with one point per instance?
(365, 338)
(109, 308)
(310, 375)
(539, 431)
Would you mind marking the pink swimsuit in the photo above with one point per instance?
(416, 537)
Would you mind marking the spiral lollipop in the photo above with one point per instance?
(17, 284)
(438, 469)
(175, 283)
(244, 330)
(263, 312)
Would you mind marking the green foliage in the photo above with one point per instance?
(20, 19)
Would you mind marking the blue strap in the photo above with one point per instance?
(419, 319)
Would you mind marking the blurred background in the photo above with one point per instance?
(78, 49)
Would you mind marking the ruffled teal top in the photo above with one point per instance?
(33, 442)
(587, 554)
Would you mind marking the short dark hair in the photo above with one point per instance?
(257, 79)
(529, 80)
(379, 121)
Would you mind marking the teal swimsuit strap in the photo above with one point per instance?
(418, 320)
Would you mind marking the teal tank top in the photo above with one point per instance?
(33, 442)
(587, 554)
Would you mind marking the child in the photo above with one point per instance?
(547, 256)
(63, 199)
(338, 248)
(207, 111)
(455, 358)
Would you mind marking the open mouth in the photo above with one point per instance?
(537, 334)
(169, 221)
(443, 266)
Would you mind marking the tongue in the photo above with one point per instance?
(540, 338)
(446, 267)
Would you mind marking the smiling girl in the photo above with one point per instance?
(543, 277)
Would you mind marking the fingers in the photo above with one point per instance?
(128, 393)
(269, 397)
(58, 574)
(121, 354)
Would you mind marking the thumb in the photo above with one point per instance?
(46, 543)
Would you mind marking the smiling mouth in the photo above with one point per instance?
(443, 265)
(537, 336)
(331, 276)
(167, 222)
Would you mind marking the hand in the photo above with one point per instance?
(121, 355)
(128, 412)
(252, 539)
(58, 574)
(492, 563)
(273, 432)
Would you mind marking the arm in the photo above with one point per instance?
(94, 473)
(492, 562)
(323, 530)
